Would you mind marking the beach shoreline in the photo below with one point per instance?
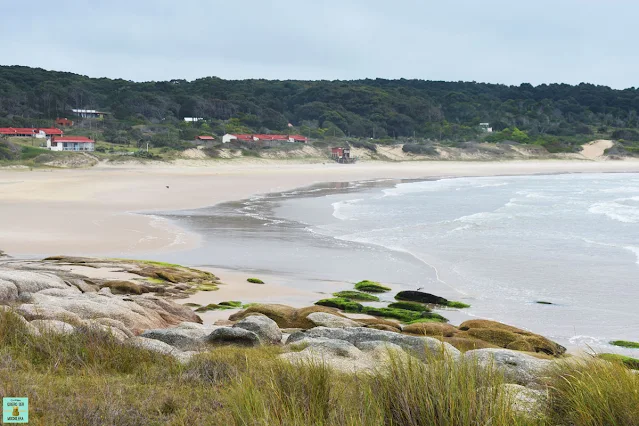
(109, 210)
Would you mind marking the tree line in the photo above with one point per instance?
(370, 108)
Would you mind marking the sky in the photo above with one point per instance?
(496, 41)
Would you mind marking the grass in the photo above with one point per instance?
(356, 295)
(371, 287)
(255, 281)
(625, 344)
(89, 378)
(632, 363)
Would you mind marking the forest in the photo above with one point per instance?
(557, 116)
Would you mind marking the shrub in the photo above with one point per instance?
(255, 281)
(371, 287)
(420, 149)
(356, 295)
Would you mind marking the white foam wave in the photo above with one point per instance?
(340, 207)
(619, 209)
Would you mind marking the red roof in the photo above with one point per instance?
(272, 137)
(244, 137)
(205, 138)
(74, 139)
(299, 138)
(28, 131)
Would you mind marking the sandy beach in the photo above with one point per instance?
(97, 211)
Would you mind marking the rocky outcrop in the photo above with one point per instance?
(324, 319)
(182, 338)
(422, 347)
(53, 326)
(265, 328)
(285, 316)
(518, 367)
(421, 297)
(159, 347)
(233, 336)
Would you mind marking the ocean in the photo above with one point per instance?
(500, 244)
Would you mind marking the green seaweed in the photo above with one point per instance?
(625, 344)
(429, 317)
(454, 304)
(410, 306)
(341, 303)
(371, 287)
(231, 303)
(255, 281)
(213, 307)
(356, 295)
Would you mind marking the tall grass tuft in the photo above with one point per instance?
(594, 392)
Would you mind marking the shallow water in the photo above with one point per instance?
(498, 243)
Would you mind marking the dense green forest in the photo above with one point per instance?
(555, 116)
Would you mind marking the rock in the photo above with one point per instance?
(60, 292)
(421, 297)
(233, 335)
(114, 324)
(377, 345)
(417, 345)
(265, 328)
(431, 329)
(113, 331)
(43, 312)
(173, 313)
(324, 319)
(31, 282)
(84, 286)
(53, 326)
(193, 326)
(8, 291)
(284, 316)
(384, 327)
(506, 336)
(123, 287)
(159, 347)
(181, 338)
(526, 401)
(465, 344)
(518, 367)
(105, 291)
(326, 346)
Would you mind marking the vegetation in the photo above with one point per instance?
(429, 317)
(558, 117)
(410, 306)
(632, 363)
(460, 305)
(214, 307)
(89, 378)
(371, 287)
(625, 344)
(345, 305)
(255, 281)
(356, 295)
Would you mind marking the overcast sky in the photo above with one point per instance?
(497, 41)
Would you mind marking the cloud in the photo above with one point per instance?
(494, 41)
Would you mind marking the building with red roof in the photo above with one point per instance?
(71, 143)
(204, 138)
(30, 132)
(64, 122)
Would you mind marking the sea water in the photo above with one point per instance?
(500, 244)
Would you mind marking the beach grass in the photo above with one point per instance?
(90, 378)
(632, 363)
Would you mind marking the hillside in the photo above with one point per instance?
(558, 117)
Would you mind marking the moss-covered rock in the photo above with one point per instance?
(501, 338)
(345, 305)
(504, 335)
(431, 329)
(356, 295)
(428, 317)
(371, 287)
(632, 363)
(255, 281)
(410, 306)
(421, 297)
(213, 307)
(401, 314)
(625, 344)
(231, 303)
(285, 316)
(459, 305)
(123, 287)
(368, 322)
(466, 344)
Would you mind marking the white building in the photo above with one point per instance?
(192, 119)
(70, 143)
(486, 127)
(89, 113)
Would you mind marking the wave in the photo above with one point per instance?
(339, 206)
(618, 210)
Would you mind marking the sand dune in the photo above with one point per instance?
(595, 149)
